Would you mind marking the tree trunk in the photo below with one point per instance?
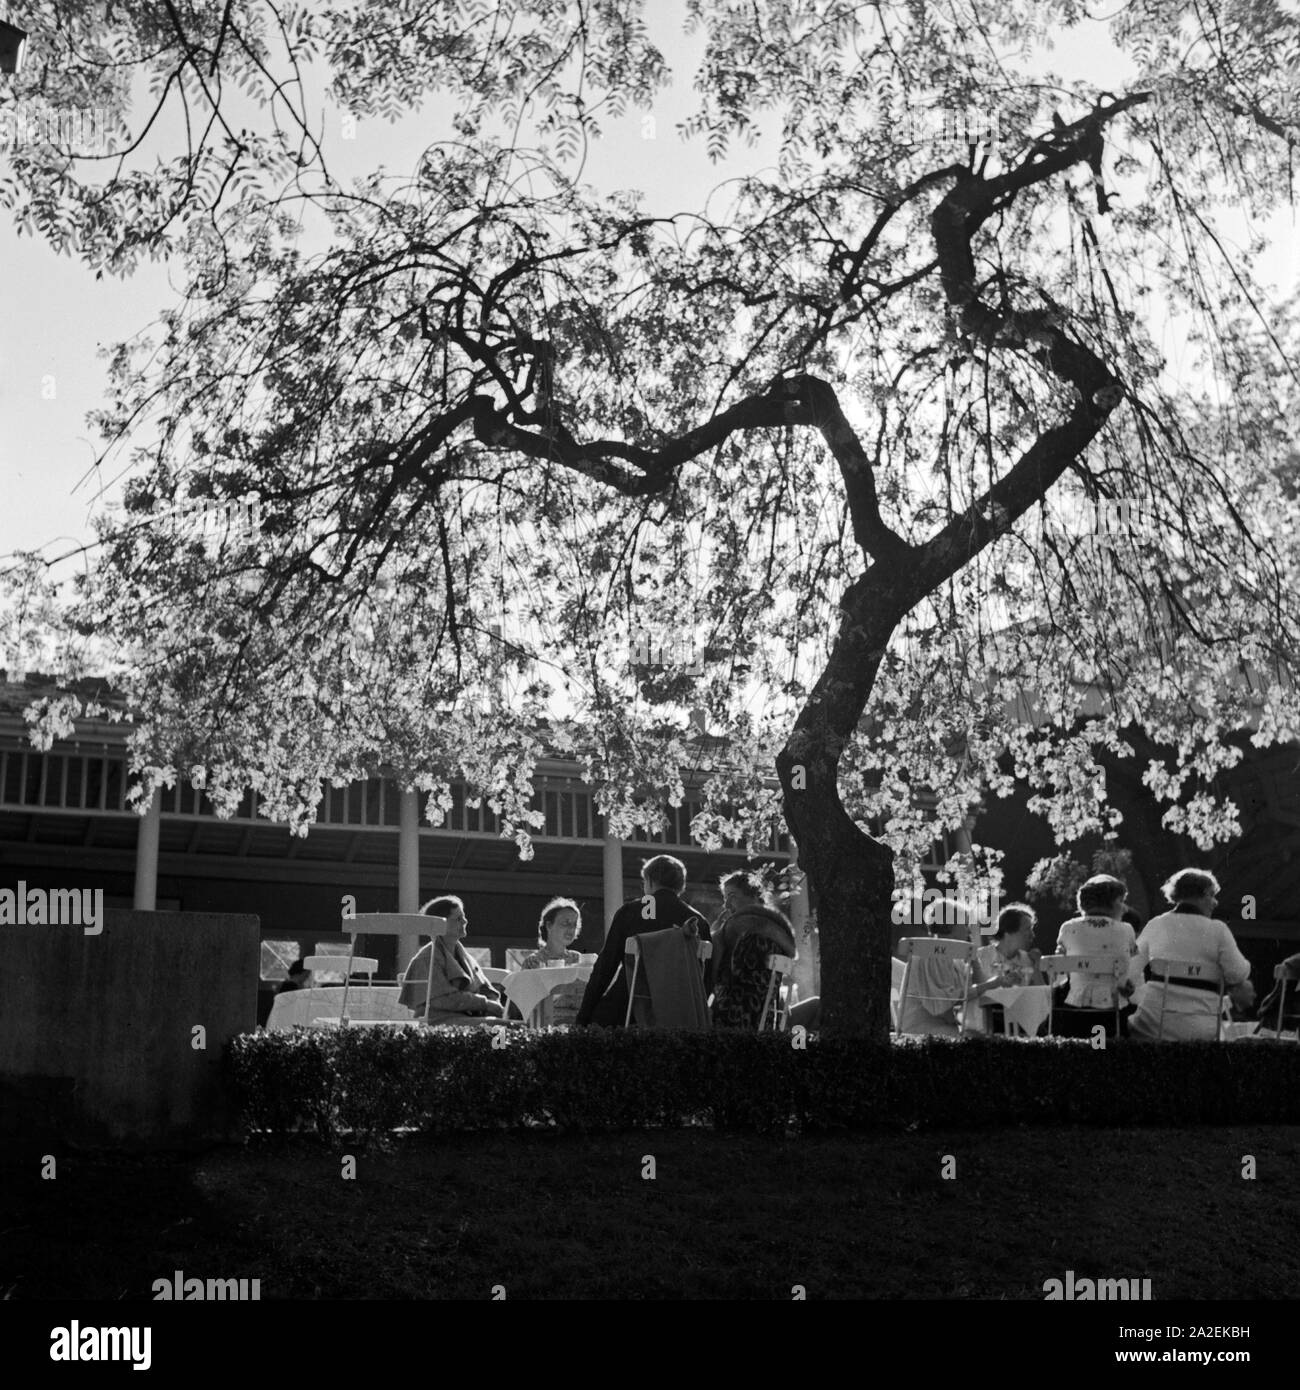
(852, 872)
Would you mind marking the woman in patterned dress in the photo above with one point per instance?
(749, 931)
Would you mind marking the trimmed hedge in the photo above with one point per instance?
(368, 1081)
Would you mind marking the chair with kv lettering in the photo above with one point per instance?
(1101, 963)
(776, 1004)
(687, 1006)
(935, 955)
(1194, 974)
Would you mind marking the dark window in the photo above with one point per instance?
(114, 780)
(76, 777)
(53, 780)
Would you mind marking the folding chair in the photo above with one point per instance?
(1284, 977)
(703, 950)
(495, 973)
(897, 974)
(362, 965)
(1199, 972)
(930, 948)
(389, 924)
(1102, 963)
(777, 1001)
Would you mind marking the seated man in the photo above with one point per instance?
(605, 1000)
(447, 975)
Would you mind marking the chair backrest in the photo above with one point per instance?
(1168, 969)
(1099, 963)
(1170, 972)
(914, 948)
(1112, 963)
(495, 974)
(390, 924)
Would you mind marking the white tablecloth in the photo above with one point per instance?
(525, 989)
(364, 1002)
(1027, 1006)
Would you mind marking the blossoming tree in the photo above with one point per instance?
(882, 448)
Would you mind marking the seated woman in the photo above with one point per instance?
(557, 930)
(445, 974)
(936, 985)
(748, 932)
(1011, 953)
(1188, 933)
(1099, 929)
(1010, 957)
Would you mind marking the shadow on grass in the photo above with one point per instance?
(548, 1216)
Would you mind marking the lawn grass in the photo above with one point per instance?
(547, 1216)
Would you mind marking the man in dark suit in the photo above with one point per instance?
(662, 878)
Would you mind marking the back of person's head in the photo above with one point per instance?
(551, 911)
(440, 907)
(747, 884)
(663, 871)
(1100, 895)
(941, 916)
(1189, 884)
(1013, 917)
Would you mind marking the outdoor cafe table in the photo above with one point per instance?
(365, 1002)
(1027, 1006)
(526, 989)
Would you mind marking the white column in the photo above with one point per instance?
(408, 871)
(146, 856)
(612, 874)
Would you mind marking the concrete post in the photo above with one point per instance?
(146, 856)
(408, 871)
(612, 874)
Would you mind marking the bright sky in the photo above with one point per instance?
(57, 316)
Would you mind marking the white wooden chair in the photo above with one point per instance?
(931, 948)
(897, 972)
(389, 924)
(1168, 971)
(361, 965)
(1100, 963)
(777, 1003)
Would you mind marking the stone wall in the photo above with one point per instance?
(117, 1038)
